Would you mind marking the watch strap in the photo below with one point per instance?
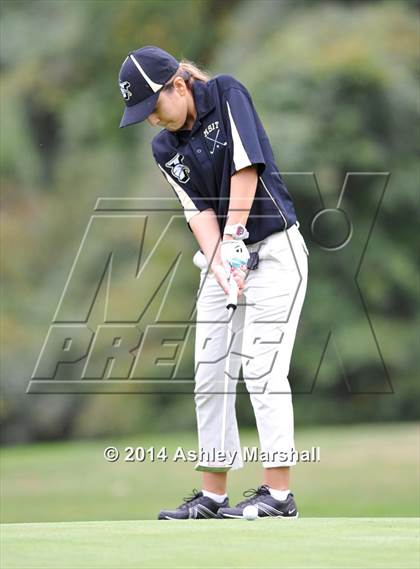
(238, 231)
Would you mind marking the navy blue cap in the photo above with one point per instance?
(142, 75)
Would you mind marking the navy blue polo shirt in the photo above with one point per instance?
(227, 136)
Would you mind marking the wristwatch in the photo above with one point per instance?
(238, 231)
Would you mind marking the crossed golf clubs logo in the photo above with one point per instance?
(215, 141)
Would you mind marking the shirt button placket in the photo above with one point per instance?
(199, 152)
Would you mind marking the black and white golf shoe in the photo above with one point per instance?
(266, 505)
(194, 507)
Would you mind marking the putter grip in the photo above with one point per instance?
(232, 300)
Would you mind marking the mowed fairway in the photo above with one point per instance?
(309, 543)
(359, 506)
(364, 471)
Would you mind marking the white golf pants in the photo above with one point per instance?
(262, 332)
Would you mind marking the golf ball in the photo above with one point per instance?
(250, 513)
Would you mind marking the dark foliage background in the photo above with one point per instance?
(336, 85)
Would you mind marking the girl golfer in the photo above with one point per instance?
(215, 153)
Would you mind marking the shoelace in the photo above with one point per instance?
(189, 499)
(253, 494)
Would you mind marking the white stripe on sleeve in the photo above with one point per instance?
(240, 157)
(189, 207)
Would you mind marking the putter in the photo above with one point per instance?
(232, 304)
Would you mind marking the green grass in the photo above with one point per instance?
(273, 543)
(355, 506)
(365, 470)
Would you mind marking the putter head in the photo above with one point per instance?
(232, 301)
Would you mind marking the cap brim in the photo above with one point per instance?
(140, 112)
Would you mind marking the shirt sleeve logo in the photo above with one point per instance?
(179, 170)
(212, 133)
(125, 90)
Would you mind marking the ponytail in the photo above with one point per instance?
(190, 72)
(193, 70)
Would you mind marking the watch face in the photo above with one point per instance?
(239, 231)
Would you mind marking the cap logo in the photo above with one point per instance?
(125, 90)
